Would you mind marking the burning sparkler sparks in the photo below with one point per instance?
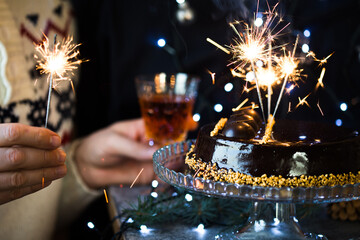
(106, 197)
(279, 65)
(58, 62)
(303, 101)
(136, 177)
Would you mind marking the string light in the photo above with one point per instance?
(218, 107)
(154, 194)
(161, 42)
(144, 229)
(250, 76)
(343, 107)
(302, 137)
(154, 183)
(305, 48)
(228, 87)
(188, 197)
(196, 117)
(307, 33)
(258, 22)
(130, 220)
(90, 225)
(200, 228)
(259, 63)
(338, 122)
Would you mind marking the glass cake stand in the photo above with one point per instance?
(273, 212)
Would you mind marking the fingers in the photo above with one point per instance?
(20, 179)
(7, 196)
(16, 158)
(19, 134)
(134, 129)
(125, 173)
(127, 147)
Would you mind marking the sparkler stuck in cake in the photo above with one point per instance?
(262, 150)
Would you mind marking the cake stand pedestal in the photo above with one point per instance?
(273, 214)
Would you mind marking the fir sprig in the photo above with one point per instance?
(172, 206)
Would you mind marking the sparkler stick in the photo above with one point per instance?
(258, 90)
(269, 83)
(50, 90)
(286, 77)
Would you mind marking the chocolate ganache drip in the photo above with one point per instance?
(242, 125)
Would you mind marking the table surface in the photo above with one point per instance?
(119, 198)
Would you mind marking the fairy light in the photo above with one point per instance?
(343, 107)
(130, 220)
(154, 194)
(161, 42)
(307, 33)
(228, 87)
(144, 229)
(338, 122)
(258, 22)
(91, 225)
(200, 228)
(218, 107)
(305, 48)
(196, 117)
(154, 183)
(250, 76)
(188, 197)
(259, 63)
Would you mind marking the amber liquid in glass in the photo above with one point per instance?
(166, 117)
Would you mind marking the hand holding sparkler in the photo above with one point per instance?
(28, 155)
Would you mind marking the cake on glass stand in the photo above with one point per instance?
(273, 215)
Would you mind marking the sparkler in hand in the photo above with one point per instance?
(58, 62)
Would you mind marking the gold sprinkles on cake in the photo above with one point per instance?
(220, 125)
(212, 172)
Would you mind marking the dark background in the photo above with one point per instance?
(119, 38)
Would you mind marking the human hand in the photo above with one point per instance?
(116, 155)
(27, 155)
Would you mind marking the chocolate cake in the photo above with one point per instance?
(298, 154)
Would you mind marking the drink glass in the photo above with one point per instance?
(166, 102)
